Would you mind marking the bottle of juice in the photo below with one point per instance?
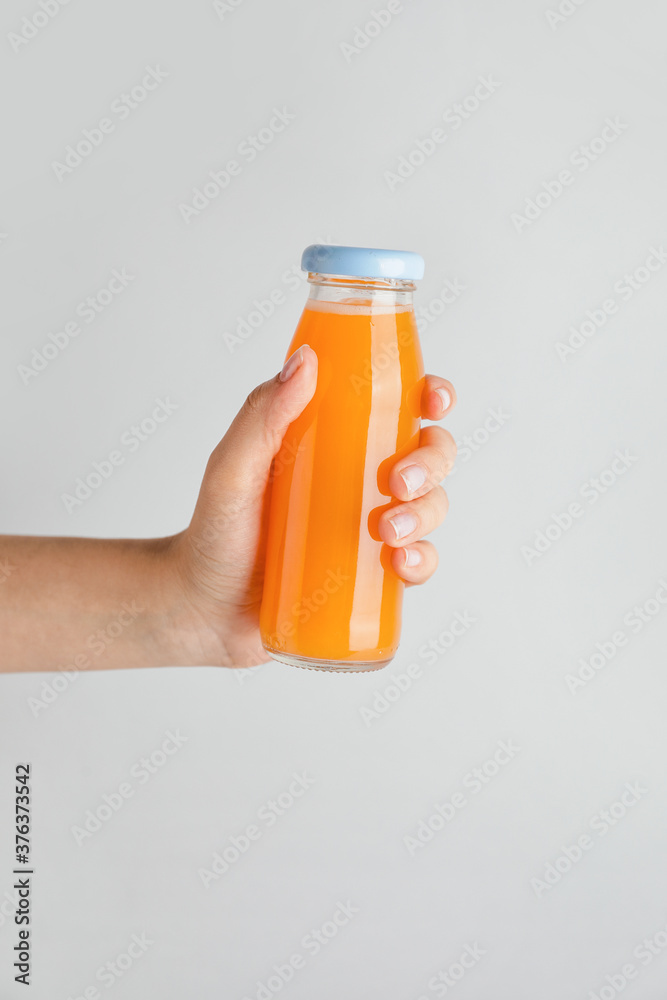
(332, 600)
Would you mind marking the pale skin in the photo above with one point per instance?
(194, 597)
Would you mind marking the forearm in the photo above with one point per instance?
(89, 604)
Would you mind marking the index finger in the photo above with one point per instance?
(438, 397)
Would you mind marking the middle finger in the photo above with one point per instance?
(418, 472)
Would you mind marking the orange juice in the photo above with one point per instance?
(331, 597)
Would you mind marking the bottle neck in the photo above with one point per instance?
(375, 293)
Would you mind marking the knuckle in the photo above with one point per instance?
(440, 502)
(442, 452)
(442, 465)
(254, 399)
(448, 444)
(447, 457)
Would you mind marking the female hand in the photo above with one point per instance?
(220, 556)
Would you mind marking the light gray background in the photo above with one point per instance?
(505, 678)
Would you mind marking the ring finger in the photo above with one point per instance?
(407, 522)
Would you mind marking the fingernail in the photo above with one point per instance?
(445, 397)
(403, 524)
(291, 365)
(413, 557)
(413, 476)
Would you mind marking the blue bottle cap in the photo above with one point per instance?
(363, 262)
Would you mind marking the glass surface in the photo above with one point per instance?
(331, 598)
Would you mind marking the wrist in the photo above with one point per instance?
(192, 632)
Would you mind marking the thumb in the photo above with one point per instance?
(240, 464)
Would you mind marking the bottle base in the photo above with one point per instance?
(333, 666)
